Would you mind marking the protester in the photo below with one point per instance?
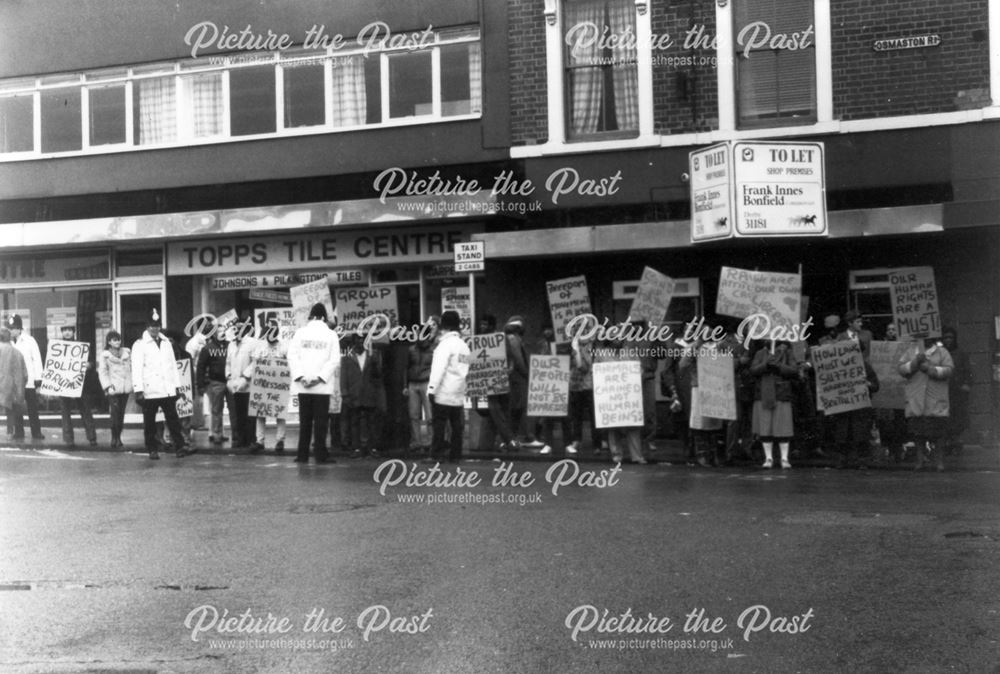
(675, 383)
(959, 386)
(81, 403)
(775, 368)
(362, 396)
(446, 386)
(314, 361)
(545, 427)
(495, 418)
(517, 373)
(183, 388)
(28, 347)
(418, 371)
(194, 346)
(855, 332)
(269, 348)
(210, 377)
(239, 370)
(738, 431)
(155, 382)
(581, 394)
(13, 376)
(115, 372)
(927, 366)
(852, 430)
(705, 431)
(622, 438)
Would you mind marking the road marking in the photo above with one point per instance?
(19, 453)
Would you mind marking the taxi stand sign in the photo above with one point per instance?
(470, 256)
(772, 189)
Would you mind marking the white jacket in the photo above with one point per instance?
(315, 352)
(449, 368)
(239, 363)
(28, 347)
(154, 370)
(195, 345)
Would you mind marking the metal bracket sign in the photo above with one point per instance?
(758, 189)
(470, 256)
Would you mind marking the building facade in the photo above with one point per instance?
(206, 158)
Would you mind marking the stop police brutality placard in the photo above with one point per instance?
(65, 367)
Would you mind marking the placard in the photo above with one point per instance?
(225, 319)
(285, 316)
(356, 304)
(744, 293)
(716, 384)
(618, 394)
(915, 302)
(185, 391)
(884, 358)
(841, 384)
(487, 365)
(548, 386)
(270, 388)
(458, 299)
(308, 294)
(568, 298)
(65, 368)
(652, 298)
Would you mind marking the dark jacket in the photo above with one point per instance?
(517, 371)
(362, 387)
(420, 356)
(781, 367)
(211, 363)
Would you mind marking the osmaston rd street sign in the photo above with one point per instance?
(470, 256)
(771, 189)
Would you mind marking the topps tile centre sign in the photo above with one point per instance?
(755, 189)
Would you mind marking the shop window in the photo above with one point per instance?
(601, 74)
(870, 296)
(60, 117)
(775, 62)
(203, 105)
(304, 92)
(17, 122)
(461, 79)
(410, 84)
(251, 101)
(107, 114)
(349, 93)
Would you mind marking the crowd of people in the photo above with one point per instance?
(339, 387)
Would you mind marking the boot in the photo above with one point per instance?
(920, 449)
(934, 451)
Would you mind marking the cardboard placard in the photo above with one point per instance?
(270, 388)
(884, 358)
(716, 384)
(744, 293)
(308, 294)
(548, 386)
(356, 304)
(487, 365)
(65, 368)
(568, 298)
(285, 316)
(185, 391)
(841, 384)
(915, 302)
(652, 299)
(458, 299)
(618, 394)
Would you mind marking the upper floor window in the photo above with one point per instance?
(601, 71)
(217, 98)
(775, 62)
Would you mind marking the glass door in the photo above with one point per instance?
(134, 303)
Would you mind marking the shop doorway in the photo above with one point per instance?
(134, 303)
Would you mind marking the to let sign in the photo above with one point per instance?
(711, 199)
(779, 189)
(470, 256)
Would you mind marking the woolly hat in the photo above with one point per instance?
(851, 316)
(831, 321)
(514, 323)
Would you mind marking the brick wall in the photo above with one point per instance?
(870, 84)
(526, 52)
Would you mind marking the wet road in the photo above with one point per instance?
(111, 562)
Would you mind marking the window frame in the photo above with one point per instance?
(129, 75)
